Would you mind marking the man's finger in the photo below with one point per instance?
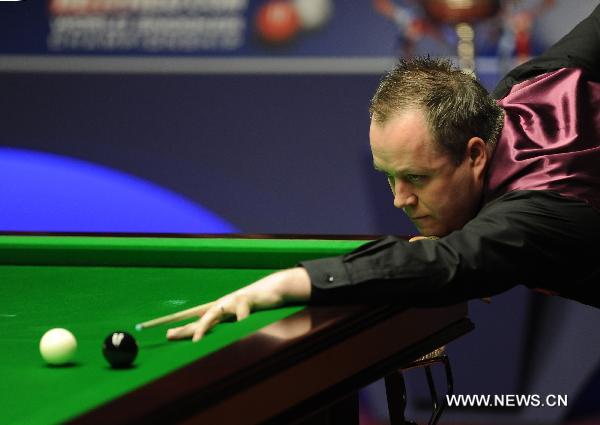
(242, 310)
(210, 319)
(181, 332)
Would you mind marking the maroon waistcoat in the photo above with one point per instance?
(551, 138)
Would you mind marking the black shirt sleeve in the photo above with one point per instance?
(580, 48)
(536, 238)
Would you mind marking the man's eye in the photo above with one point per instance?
(414, 178)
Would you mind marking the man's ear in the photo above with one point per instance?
(478, 155)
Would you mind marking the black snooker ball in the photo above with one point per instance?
(120, 349)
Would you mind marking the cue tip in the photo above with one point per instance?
(139, 327)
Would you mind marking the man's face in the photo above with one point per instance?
(437, 195)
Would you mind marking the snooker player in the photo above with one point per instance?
(510, 184)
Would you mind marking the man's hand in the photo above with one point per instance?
(418, 238)
(274, 290)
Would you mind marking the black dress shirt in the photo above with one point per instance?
(535, 238)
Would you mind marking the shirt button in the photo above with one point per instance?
(330, 278)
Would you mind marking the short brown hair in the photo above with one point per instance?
(455, 105)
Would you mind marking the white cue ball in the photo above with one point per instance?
(58, 346)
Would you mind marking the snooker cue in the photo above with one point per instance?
(174, 317)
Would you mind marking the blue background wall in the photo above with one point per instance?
(270, 154)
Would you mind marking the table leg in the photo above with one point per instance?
(396, 397)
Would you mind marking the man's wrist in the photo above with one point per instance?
(294, 285)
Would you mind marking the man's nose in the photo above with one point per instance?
(403, 197)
